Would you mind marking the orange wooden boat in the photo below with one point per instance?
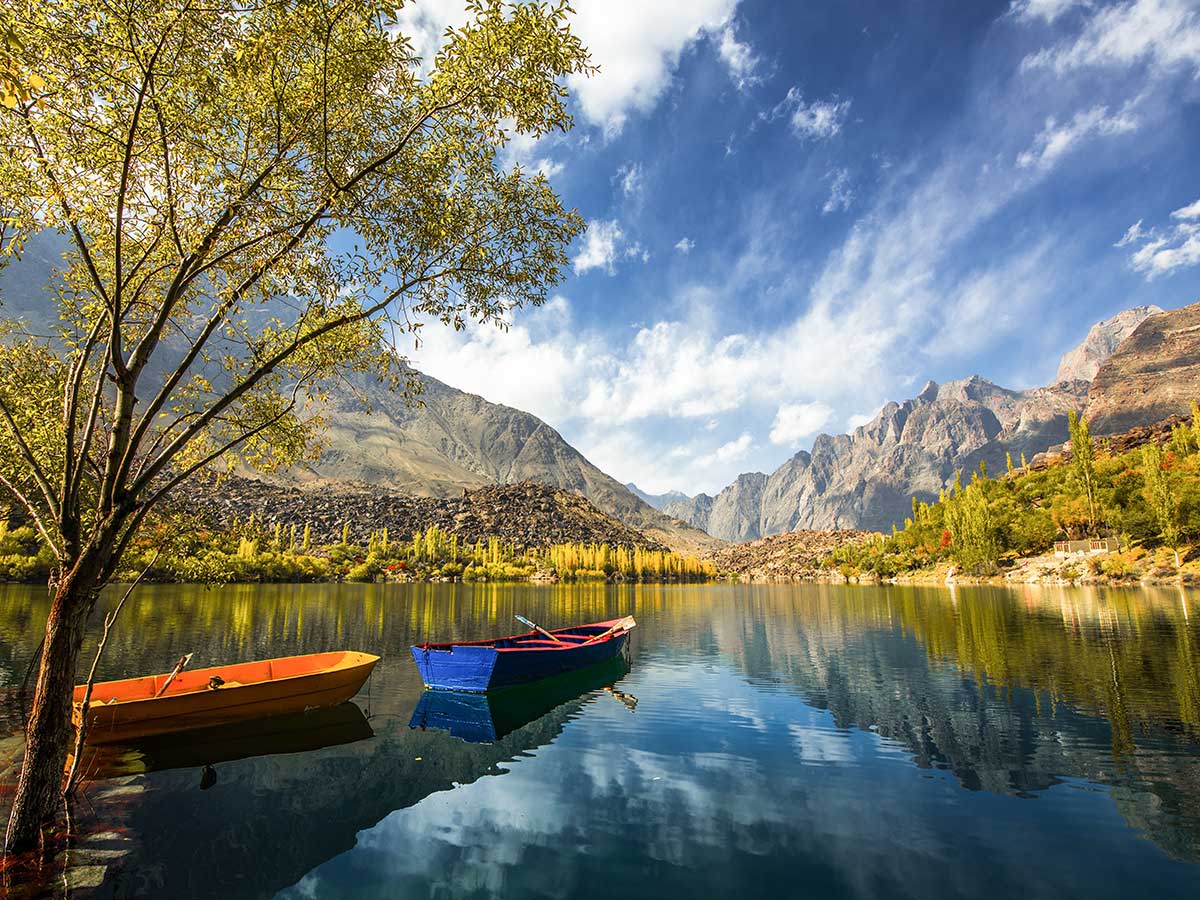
(134, 708)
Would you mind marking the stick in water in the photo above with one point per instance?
(538, 628)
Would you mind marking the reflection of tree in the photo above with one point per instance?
(1050, 684)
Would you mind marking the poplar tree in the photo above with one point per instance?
(1163, 502)
(1083, 460)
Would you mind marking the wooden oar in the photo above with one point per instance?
(539, 629)
(183, 661)
(624, 625)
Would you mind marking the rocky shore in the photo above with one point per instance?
(526, 514)
(792, 556)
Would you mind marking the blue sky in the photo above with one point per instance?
(798, 211)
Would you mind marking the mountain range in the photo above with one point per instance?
(446, 442)
(1136, 367)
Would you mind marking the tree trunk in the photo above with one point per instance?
(48, 731)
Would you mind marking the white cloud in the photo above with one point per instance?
(997, 299)
(816, 120)
(841, 195)
(796, 421)
(1163, 33)
(601, 246)
(1163, 250)
(1188, 213)
(425, 24)
(1159, 257)
(1056, 140)
(632, 180)
(528, 152)
(548, 167)
(530, 365)
(1132, 234)
(637, 251)
(637, 46)
(1046, 10)
(739, 58)
(730, 452)
(685, 245)
(1163, 253)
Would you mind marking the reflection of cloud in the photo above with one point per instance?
(819, 746)
(704, 778)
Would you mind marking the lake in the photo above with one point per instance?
(763, 741)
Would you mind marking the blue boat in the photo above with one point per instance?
(481, 666)
(488, 718)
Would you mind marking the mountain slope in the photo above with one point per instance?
(526, 514)
(733, 514)
(658, 501)
(867, 479)
(1155, 373)
(453, 440)
(1083, 362)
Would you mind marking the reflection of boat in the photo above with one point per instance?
(158, 704)
(290, 733)
(503, 662)
(486, 718)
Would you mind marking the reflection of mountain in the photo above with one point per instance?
(1009, 699)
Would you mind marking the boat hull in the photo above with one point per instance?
(488, 666)
(479, 718)
(122, 711)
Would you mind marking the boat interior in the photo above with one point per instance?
(533, 640)
(193, 680)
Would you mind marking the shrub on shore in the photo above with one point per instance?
(1148, 498)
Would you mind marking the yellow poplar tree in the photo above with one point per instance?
(254, 198)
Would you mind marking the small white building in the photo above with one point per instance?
(1088, 547)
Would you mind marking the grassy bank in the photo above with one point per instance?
(250, 552)
(1146, 499)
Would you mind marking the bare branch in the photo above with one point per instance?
(35, 468)
(34, 515)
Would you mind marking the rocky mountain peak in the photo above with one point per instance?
(658, 501)
(1083, 362)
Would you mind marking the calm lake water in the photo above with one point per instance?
(763, 741)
